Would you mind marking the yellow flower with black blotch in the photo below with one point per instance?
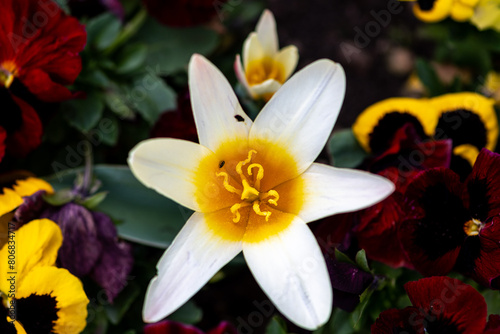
(12, 197)
(376, 125)
(36, 296)
(469, 119)
(437, 10)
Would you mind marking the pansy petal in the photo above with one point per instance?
(195, 255)
(288, 58)
(267, 33)
(301, 115)
(292, 272)
(253, 50)
(215, 106)
(169, 167)
(329, 190)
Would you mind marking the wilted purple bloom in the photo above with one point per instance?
(348, 283)
(90, 242)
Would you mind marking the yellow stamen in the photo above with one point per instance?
(260, 173)
(244, 162)
(256, 208)
(226, 184)
(472, 227)
(234, 210)
(273, 201)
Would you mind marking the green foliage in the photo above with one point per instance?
(84, 114)
(276, 326)
(345, 150)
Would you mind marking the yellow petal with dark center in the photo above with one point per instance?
(439, 11)
(68, 292)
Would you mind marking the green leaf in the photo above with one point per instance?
(170, 49)
(151, 96)
(122, 303)
(93, 201)
(276, 326)
(144, 216)
(60, 197)
(117, 103)
(429, 78)
(130, 58)
(361, 261)
(493, 301)
(109, 134)
(345, 149)
(83, 114)
(342, 257)
(189, 313)
(103, 30)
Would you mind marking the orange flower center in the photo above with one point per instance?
(8, 70)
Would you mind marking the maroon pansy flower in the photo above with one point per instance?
(38, 59)
(493, 325)
(168, 327)
(454, 225)
(406, 156)
(183, 13)
(439, 305)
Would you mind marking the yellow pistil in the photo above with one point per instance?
(250, 194)
(8, 71)
(472, 227)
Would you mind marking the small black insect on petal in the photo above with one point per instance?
(221, 163)
(239, 118)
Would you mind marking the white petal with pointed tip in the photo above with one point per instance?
(288, 57)
(292, 272)
(195, 255)
(301, 115)
(267, 33)
(168, 166)
(269, 86)
(214, 105)
(329, 190)
(252, 50)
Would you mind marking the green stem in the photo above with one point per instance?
(128, 31)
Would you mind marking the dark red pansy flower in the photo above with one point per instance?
(440, 305)
(168, 327)
(183, 13)
(493, 325)
(178, 123)
(454, 225)
(38, 58)
(406, 156)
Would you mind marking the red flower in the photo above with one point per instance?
(453, 225)
(183, 13)
(405, 158)
(440, 305)
(167, 327)
(38, 58)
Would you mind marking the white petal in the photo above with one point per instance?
(301, 115)
(195, 255)
(269, 86)
(168, 166)
(288, 57)
(330, 190)
(292, 272)
(214, 105)
(240, 73)
(253, 50)
(267, 33)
